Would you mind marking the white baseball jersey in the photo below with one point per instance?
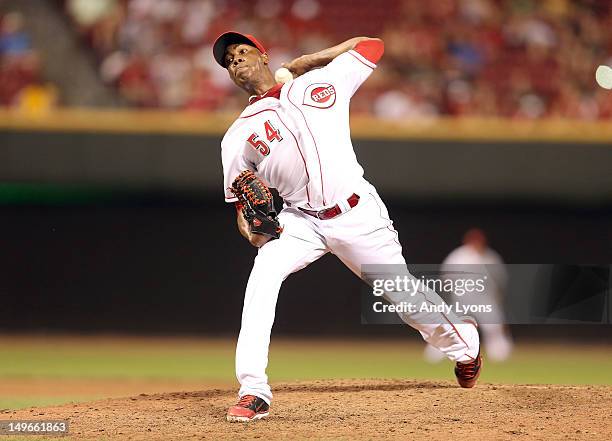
(489, 262)
(467, 255)
(300, 143)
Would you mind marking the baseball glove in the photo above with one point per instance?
(257, 204)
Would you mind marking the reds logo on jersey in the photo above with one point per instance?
(320, 95)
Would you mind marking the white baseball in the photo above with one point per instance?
(604, 77)
(283, 75)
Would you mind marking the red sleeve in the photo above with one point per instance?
(371, 50)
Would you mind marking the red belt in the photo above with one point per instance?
(330, 213)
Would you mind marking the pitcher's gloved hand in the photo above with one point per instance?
(257, 205)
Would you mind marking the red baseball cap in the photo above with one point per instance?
(228, 38)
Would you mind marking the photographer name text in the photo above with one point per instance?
(405, 307)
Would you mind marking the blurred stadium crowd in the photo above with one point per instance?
(21, 79)
(510, 58)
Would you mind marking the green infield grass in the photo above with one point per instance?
(209, 363)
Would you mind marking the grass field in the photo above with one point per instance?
(36, 371)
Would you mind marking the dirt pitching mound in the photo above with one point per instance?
(350, 409)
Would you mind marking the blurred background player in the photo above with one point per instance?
(475, 256)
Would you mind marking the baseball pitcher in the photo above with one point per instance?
(295, 137)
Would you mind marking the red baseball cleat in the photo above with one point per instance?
(249, 408)
(467, 373)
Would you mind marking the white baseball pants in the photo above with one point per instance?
(363, 235)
